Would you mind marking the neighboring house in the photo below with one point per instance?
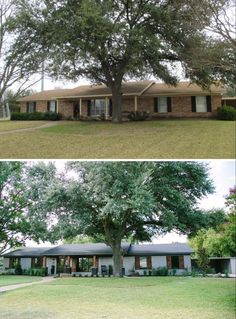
(84, 258)
(157, 99)
(223, 265)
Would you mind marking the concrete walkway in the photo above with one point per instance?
(16, 286)
(49, 124)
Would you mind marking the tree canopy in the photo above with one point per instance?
(114, 40)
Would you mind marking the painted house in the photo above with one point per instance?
(157, 99)
(83, 259)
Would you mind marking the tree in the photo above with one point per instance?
(218, 241)
(18, 62)
(113, 201)
(111, 41)
(21, 213)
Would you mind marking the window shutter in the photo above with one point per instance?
(110, 107)
(56, 107)
(209, 108)
(137, 262)
(194, 106)
(89, 107)
(156, 104)
(169, 104)
(48, 105)
(27, 107)
(168, 262)
(181, 262)
(149, 262)
(34, 106)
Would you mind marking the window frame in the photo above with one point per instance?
(49, 106)
(31, 107)
(95, 109)
(199, 104)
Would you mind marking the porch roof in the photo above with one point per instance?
(83, 250)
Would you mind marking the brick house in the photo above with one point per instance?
(157, 99)
(80, 259)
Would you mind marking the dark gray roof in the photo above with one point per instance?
(83, 250)
(27, 252)
(160, 249)
(103, 250)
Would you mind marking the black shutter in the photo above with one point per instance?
(194, 107)
(156, 104)
(89, 107)
(34, 106)
(110, 107)
(209, 108)
(48, 106)
(169, 104)
(27, 107)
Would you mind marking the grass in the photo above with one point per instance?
(16, 125)
(129, 298)
(6, 280)
(171, 139)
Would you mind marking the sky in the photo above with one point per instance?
(223, 174)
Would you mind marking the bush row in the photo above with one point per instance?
(36, 116)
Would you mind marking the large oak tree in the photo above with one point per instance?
(114, 201)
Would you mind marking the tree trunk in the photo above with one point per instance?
(116, 104)
(117, 259)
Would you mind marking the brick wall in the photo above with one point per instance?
(65, 108)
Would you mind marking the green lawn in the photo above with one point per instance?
(6, 280)
(171, 139)
(128, 298)
(16, 125)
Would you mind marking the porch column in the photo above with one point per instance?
(107, 108)
(80, 107)
(73, 268)
(57, 106)
(95, 262)
(68, 261)
(44, 262)
(135, 104)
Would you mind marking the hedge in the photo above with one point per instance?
(226, 113)
(36, 116)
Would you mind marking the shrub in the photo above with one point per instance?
(138, 116)
(36, 116)
(110, 270)
(226, 113)
(145, 273)
(161, 271)
(18, 269)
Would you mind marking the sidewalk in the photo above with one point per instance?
(16, 286)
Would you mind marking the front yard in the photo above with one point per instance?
(127, 298)
(6, 280)
(163, 139)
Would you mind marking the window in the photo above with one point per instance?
(37, 262)
(98, 107)
(201, 104)
(143, 262)
(175, 262)
(31, 107)
(13, 261)
(162, 105)
(52, 106)
(85, 264)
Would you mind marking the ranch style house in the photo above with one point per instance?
(87, 259)
(159, 100)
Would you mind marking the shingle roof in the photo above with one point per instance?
(102, 250)
(144, 88)
(160, 249)
(27, 252)
(182, 88)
